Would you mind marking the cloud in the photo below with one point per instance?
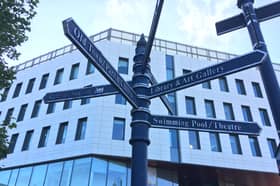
(130, 15)
(197, 18)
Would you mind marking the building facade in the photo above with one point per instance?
(86, 142)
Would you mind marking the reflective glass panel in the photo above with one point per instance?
(255, 148)
(13, 178)
(54, 173)
(116, 174)
(44, 81)
(98, 172)
(235, 144)
(223, 84)
(246, 113)
(257, 90)
(194, 140)
(90, 68)
(272, 147)
(38, 175)
(66, 175)
(190, 106)
(4, 177)
(118, 129)
(215, 142)
(24, 176)
(74, 71)
(123, 66)
(264, 117)
(81, 172)
(228, 111)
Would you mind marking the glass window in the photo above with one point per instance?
(190, 106)
(9, 115)
(272, 147)
(30, 86)
(228, 111)
(4, 95)
(223, 84)
(264, 117)
(38, 175)
(123, 65)
(81, 171)
(24, 176)
(62, 132)
(210, 109)
(44, 81)
(66, 174)
(90, 68)
(246, 113)
(13, 142)
(235, 144)
(21, 112)
(116, 174)
(215, 142)
(169, 74)
(169, 61)
(58, 76)
(166, 178)
(4, 177)
(255, 148)
(17, 90)
(44, 136)
(74, 71)
(118, 129)
(53, 173)
(172, 100)
(86, 100)
(206, 85)
(98, 172)
(257, 90)
(240, 87)
(13, 177)
(36, 109)
(194, 140)
(51, 108)
(67, 105)
(27, 140)
(120, 99)
(174, 147)
(186, 71)
(81, 129)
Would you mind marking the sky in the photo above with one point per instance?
(190, 22)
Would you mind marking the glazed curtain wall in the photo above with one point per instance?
(83, 171)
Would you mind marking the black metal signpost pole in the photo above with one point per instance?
(140, 118)
(266, 69)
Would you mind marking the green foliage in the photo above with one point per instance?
(15, 20)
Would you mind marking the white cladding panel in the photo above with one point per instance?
(101, 112)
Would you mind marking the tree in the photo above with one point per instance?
(15, 20)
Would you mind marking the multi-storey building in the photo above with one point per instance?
(86, 142)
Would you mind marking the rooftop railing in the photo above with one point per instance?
(131, 38)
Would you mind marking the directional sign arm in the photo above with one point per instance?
(85, 45)
(263, 13)
(74, 94)
(207, 125)
(153, 29)
(163, 97)
(231, 66)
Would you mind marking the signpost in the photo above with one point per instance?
(139, 92)
(207, 125)
(84, 44)
(251, 18)
(233, 65)
(81, 93)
